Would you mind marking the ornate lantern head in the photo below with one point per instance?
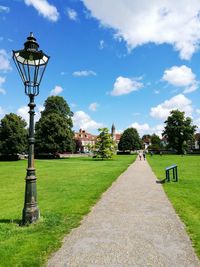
(31, 65)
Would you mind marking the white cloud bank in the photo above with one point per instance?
(56, 91)
(44, 8)
(179, 102)
(173, 22)
(2, 81)
(23, 112)
(124, 86)
(82, 120)
(181, 77)
(147, 129)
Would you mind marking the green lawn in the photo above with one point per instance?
(66, 189)
(185, 194)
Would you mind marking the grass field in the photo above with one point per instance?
(66, 189)
(185, 194)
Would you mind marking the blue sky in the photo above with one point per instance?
(114, 61)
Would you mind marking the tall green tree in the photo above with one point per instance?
(105, 147)
(178, 130)
(13, 135)
(54, 129)
(129, 140)
(155, 142)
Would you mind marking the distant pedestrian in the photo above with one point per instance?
(151, 153)
(140, 155)
(144, 155)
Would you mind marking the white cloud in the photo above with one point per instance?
(2, 91)
(4, 9)
(84, 73)
(2, 81)
(63, 73)
(72, 14)
(2, 113)
(173, 22)
(141, 128)
(181, 77)
(197, 123)
(93, 106)
(73, 105)
(56, 91)
(157, 92)
(197, 111)
(23, 112)
(82, 120)
(123, 86)
(147, 129)
(44, 8)
(4, 61)
(179, 102)
(101, 44)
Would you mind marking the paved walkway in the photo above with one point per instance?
(132, 225)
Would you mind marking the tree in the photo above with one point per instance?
(105, 146)
(129, 140)
(155, 142)
(54, 129)
(178, 130)
(13, 135)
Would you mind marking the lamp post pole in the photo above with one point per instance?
(31, 64)
(31, 211)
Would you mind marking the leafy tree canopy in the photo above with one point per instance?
(155, 142)
(178, 130)
(129, 140)
(54, 129)
(13, 135)
(58, 105)
(105, 147)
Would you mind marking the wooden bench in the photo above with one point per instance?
(175, 173)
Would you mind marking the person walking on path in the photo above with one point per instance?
(144, 155)
(140, 155)
(133, 224)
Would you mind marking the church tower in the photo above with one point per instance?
(113, 131)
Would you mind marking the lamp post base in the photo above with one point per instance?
(31, 211)
(30, 215)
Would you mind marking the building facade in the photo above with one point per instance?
(84, 141)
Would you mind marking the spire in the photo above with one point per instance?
(113, 131)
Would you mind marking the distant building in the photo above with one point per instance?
(83, 140)
(196, 141)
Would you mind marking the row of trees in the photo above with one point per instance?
(53, 133)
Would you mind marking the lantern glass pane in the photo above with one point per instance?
(31, 66)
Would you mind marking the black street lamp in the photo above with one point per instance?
(31, 65)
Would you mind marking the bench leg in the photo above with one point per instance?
(174, 177)
(176, 174)
(167, 176)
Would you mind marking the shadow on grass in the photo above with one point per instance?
(11, 221)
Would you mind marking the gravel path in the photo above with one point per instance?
(133, 224)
